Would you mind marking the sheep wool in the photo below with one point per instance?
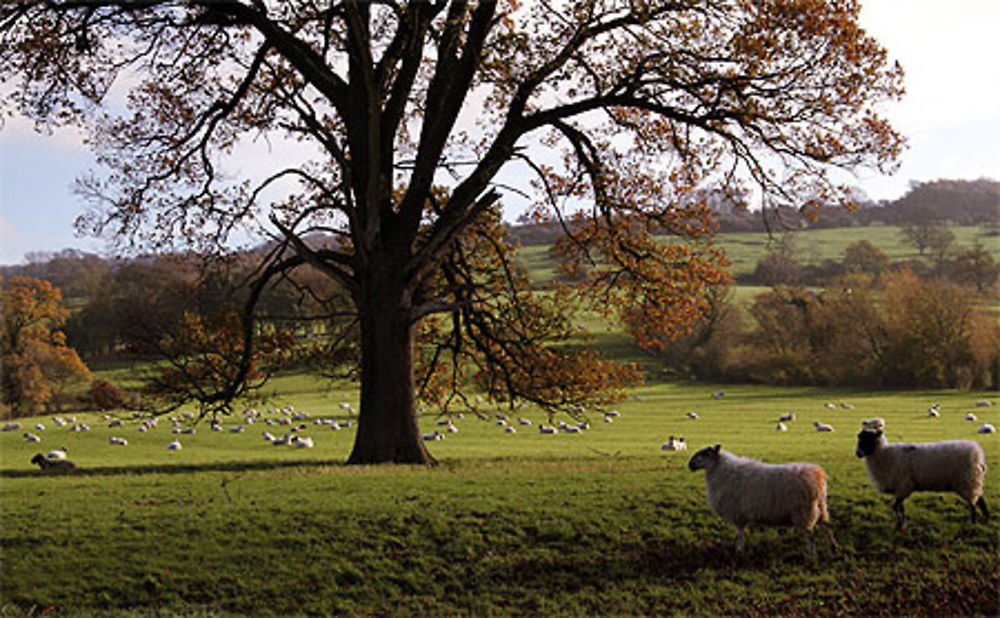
(903, 468)
(748, 492)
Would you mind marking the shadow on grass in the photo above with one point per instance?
(229, 466)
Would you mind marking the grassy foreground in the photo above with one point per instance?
(597, 523)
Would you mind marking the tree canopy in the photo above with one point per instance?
(410, 121)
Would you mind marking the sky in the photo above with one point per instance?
(951, 116)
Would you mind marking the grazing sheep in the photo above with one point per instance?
(718, 394)
(986, 428)
(970, 417)
(53, 465)
(746, 492)
(175, 445)
(982, 403)
(901, 469)
(59, 453)
(830, 406)
(434, 435)
(116, 441)
(39, 427)
(874, 424)
(933, 412)
(822, 427)
(302, 441)
(780, 427)
(692, 415)
(550, 429)
(31, 437)
(847, 406)
(674, 444)
(788, 416)
(524, 421)
(510, 429)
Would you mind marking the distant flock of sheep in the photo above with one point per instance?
(745, 492)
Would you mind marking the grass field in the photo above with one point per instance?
(597, 523)
(745, 249)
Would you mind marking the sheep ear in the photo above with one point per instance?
(716, 449)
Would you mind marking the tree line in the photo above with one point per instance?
(876, 324)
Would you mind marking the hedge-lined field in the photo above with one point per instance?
(601, 522)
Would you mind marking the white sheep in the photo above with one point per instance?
(874, 424)
(11, 427)
(31, 437)
(746, 492)
(933, 412)
(970, 416)
(510, 429)
(986, 428)
(901, 469)
(692, 415)
(175, 445)
(548, 429)
(116, 441)
(718, 394)
(780, 427)
(788, 416)
(303, 441)
(822, 427)
(60, 453)
(674, 444)
(434, 435)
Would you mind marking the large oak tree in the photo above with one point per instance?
(413, 120)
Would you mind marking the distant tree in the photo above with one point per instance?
(34, 361)
(924, 235)
(936, 337)
(975, 267)
(621, 109)
(939, 244)
(864, 257)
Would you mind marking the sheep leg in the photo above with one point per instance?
(981, 503)
(741, 539)
(829, 534)
(897, 506)
(810, 544)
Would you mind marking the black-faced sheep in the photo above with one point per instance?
(901, 469)
(53, 465)
(746, 492)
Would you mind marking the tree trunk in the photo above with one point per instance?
(387, 423)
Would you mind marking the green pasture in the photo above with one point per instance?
(597, 523)
(813, 246)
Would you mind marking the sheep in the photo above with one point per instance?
(986, 428)
(982, 403)
(788, 416)
(434, 435)
(39, 427)
(674, 444)
(59, 453)
(874, 424)
(822, 427)
(970, 416)
(718, 394)
(933, 412)
(53, 465)
(524, 421)
(548, 429)
(747, 492)
(510, 429)
(116, 441)
(31, 437)
(900, 469)
(780, 427)
(175, 445)
(302, 441)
